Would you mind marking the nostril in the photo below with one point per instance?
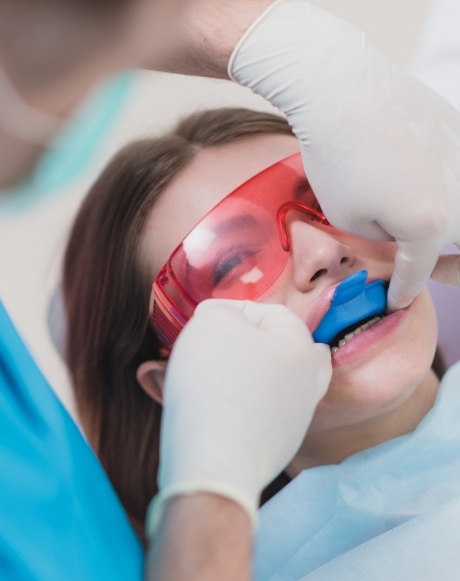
(344, 260)
(318, 273)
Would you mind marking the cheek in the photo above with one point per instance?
(386, 380)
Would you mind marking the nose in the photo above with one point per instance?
(317, 256)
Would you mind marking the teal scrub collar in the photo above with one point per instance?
(75, 145)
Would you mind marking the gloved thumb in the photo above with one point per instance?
(252, 311)
(324, 367)
(414, 263)
(263, 315)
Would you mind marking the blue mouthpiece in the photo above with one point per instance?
(353, 301)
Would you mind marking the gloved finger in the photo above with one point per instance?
(263, 315)
(323, 350)
(279, 320)
(447, 269)
(324, 368)
(413, 266)
(210, 304)
(253, 312)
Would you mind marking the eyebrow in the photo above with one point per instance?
(236, 223)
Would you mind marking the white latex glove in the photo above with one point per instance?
(241, 387)
(381, 150)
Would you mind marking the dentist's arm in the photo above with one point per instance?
(204, 35)
(242, 385)
(202, 537)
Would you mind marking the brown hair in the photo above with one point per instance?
(106, 294)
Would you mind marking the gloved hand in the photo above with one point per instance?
(241, 387)
(381, 150)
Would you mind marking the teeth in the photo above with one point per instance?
(357, 331)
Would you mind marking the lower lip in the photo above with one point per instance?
(371, 338)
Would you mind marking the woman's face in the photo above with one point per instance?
(376, 371)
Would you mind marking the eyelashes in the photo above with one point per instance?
(230, 261)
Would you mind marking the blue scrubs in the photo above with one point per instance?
(388, 512)
(60, 518)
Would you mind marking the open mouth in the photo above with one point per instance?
(355, 307)
(347, 334)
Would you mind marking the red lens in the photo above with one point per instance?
(237, 251)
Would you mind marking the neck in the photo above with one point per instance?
(332, 446)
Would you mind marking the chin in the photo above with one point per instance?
(379, 372)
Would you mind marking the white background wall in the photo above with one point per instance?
(31, 244)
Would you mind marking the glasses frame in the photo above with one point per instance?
(171, 306)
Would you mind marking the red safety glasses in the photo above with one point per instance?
(237, 251)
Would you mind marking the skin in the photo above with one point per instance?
(384, 392)
(203, 537)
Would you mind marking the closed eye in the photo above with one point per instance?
(230, 261)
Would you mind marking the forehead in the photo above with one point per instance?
(210, 177)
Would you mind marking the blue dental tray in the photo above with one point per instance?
(353, 301)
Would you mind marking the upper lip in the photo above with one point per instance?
(320, 307)
(322, 304)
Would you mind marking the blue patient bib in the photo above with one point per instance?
(394, 505)
(60, 518)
